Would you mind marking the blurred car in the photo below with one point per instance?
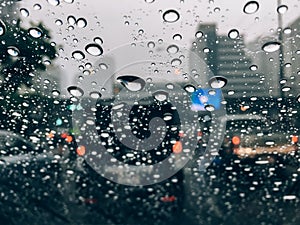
(161, 202)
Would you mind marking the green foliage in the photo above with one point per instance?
(32, 52)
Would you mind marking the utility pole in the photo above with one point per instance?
(281, 50)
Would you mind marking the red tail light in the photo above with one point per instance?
(236, 140)
(294, 139)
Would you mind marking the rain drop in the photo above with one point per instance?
(132, 83)
(24, 12)
(198, 34)
(271, 46)
(149, 1)
(251, 7)
(161, 96)
(253, 67)
(35, 32)
(69, 1)
(81, 23)
(58, 22)
(209, 108)
(78, 55)
(55, 93)
(177, 37)
(217, 82)
(103, 66)
(98, 40)
(233, 34)
(286, 89)
(13, 51)
(172, 49)
(75, 91)
(71, 20)
(189, 88)
(37, 6)
(94, 49)
(171, 16)
(176, 62)
(53, 2)
(95, 95)
(282, 9)
(2, 28)
(151, 44)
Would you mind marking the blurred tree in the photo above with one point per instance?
(22, 53)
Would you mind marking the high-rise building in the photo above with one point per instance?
(227, 57)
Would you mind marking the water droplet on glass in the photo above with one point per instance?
(230, 92)
(287, 30)
(35, 32)
(211, 92)
(282, 9)
(149, 1)
(71, 20)
(171, 16)
(209, 108)
(177, 37)
(189, 88)
(55, 93)
(251, 7)
(132, 83)
(161, 96)
(103, 66)
(58, 22)
(98, 40)
(217, 82)
(286, 89)
(198, 34)
(13, 51)
(167, 117)
(176, 62)
(170, 86)
(75, 91)
(37, 6)
(78, 55)
(172, 49)
(2, 28)
(253, 67)
(24, 12)
(217, 9)
(233, 34)
(81, 23)
(94, 49)
(95, 95)
(53, 2)
(298, 98)
(151, 44)
(271, 46)
(69, 1)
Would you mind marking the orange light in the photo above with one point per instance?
(69, 139)
(80, 150)
(177, 71)
(295, 139)
(236, 140)
(50, 135)
(64, 135)
(177, 147)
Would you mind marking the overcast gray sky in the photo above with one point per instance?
(106, 19)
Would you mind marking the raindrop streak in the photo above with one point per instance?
(78, 55)
(271, 46)
(251, 7)
(75, 91)
(161, 96)
(13, 51)
(71, 20)
(35, 32)
(94, 49)
(282, 9)
(233, 34)
(2, 28)
(81, 23)
(24, 12)
(172, 49)
(171, 16)
(132, 83)
(217, 82)
(53, 2)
